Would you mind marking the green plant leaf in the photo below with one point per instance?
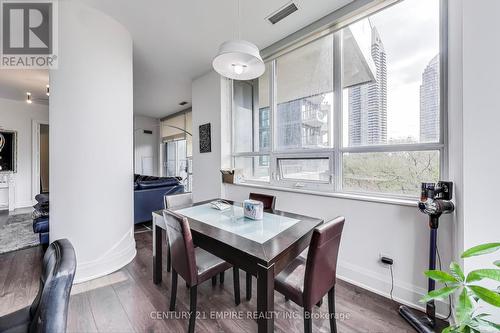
(486, 295)
(479, 274)
(481, 249)
(457, 272)
(497, 263)
(464, 307)
(439, 293)
(441, 276)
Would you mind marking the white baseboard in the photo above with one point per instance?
(114, 259)
(403, 292)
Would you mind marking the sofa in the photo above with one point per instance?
(149, 192)
(40, 217)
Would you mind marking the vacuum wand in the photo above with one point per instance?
(435, 200)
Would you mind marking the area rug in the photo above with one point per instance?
(17, 233)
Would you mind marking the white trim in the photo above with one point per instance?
(118, 256)
(350, 196)
(35, 157)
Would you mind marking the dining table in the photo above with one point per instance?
(261, 247)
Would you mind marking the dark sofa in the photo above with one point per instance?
(149, 192)
(40, 217)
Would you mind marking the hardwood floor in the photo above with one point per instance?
(128, 301)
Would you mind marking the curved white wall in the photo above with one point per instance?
(91, 140)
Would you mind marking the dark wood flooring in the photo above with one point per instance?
(128, 301)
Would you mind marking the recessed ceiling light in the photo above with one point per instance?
(48, 90)
(28, 98)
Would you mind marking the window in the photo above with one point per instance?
(357, 110)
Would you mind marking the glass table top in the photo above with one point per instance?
(233, 220)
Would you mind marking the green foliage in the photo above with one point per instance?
(394, 172)
(481, 249)
(467, 318)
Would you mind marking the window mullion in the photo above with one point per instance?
(337, 111)
(272, 115)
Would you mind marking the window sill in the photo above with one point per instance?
(348, 196)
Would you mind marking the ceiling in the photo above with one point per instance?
(15, 83)
(175, 41)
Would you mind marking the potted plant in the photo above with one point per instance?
(468, 315)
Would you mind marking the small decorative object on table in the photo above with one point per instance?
(253, 209)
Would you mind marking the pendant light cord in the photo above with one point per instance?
(239, 20)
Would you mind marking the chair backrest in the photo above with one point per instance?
(180, 199)
(49, 311)
(181, 245)
(269, 201)
(321, 266)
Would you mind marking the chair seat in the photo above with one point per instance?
(290, 281)
(208, 265)
(16, 322)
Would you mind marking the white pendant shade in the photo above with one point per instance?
(239, 60)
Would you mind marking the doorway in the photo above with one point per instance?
(40, 158)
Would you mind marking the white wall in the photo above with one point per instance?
(17, 115)
(206, 99)
(91, 141)
(146, 146)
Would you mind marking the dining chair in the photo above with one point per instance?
(269, 202)
(307, 281)
(194, 265)
(175, 200)
(49, 311)
(180, 199)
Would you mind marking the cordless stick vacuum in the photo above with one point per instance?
(434, 201)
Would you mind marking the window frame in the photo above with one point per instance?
(336, 153)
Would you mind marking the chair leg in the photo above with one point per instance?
(320, 303)
(214, 280)
(307, 321)
(192, 308)
(169, 259)
(173, 291)
(249, 286)
(331, 310)
(236, 282)
(222, 277)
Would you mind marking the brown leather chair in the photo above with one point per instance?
(194, 265)
(269, 202)
(306, 281)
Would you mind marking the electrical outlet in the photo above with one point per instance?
(385, 260)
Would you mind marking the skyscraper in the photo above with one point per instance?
(429, 102)
(368, 102)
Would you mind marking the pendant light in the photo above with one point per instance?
(239, 59)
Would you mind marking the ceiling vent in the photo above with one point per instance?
(282, 13)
